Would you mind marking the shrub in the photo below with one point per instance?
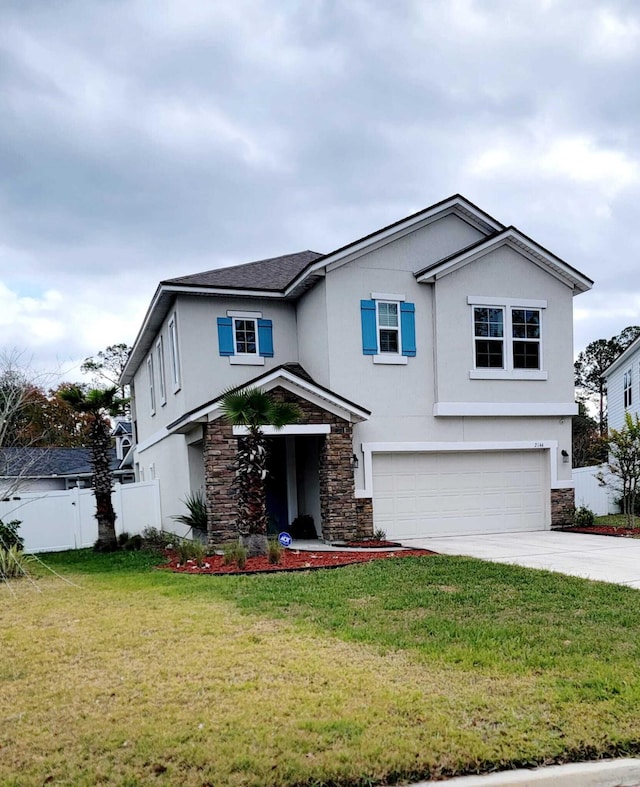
(134, 543)
(234, 553)
(584, 517)
(196, 516)
(274, 551)
(122, 539)
(156, 539)
(13, 563)
(9, 535)
(191, 550)
(379, 535)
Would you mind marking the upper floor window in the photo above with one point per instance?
(627, 388)
(245, 337)
(152, 388)
(388, 328)
(174, 355)
(507, 338)
(162, 388)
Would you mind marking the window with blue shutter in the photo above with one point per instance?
(408, 329)
(265, 338)
(369, 330)
(388, 330)
(225, 335)
(245, 337)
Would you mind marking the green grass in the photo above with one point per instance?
(398, 669)
(615, 520)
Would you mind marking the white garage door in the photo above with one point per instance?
(439, 494)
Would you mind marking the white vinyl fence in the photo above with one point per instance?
(53, 521)
(592, 493)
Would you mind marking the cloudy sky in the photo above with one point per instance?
(146, 139)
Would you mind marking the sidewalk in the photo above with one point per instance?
(604, 773)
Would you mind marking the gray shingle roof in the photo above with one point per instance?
(274, 273)
(45, 462)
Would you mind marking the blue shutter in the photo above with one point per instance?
(225, 335)
(265, 338)
(408, 328)
(369, 333)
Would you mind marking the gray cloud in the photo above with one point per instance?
(141, 141)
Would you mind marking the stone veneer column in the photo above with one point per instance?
(220, 448)
(337, 498)
(562, 507)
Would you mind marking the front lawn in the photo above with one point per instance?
(398, 669)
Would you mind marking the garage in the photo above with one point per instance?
(460, 492)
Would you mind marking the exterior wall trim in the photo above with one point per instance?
(291, 429)
(368, 449)
(513, 409)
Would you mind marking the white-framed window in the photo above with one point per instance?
(162, 388)
(388, 326)
(245, 335)
(174, 355)
(245, 338)
(152, 388)
(507, 338)
(627, 389)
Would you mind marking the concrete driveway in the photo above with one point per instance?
(606, 558)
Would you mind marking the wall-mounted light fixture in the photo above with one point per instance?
(354, 462)
(565, 456)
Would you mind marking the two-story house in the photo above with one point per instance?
(432, 360)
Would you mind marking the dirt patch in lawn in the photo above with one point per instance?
(291, 560)
(606, 530)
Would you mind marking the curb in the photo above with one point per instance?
(604, 773)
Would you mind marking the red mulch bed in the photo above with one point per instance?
(606, 530)
(291, 560)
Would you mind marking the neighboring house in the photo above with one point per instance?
(31, 469)
(432, 360)
(623, 386)
(49, 469)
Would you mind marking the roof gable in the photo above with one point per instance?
(293, 378)
(509, 236)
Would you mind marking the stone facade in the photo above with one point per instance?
(562, 507)
(220, 447)
(343, 517)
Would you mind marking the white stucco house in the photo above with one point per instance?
(432, 359)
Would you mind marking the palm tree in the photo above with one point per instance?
(98, 404)
(253, 408)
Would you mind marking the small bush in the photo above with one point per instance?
(13, 563)
(234, 553)
(274, 551)
(134, 543)
(191, 550)
(9, 535)
(379, 535)
(122, 539)
(584, 517)
(156, 539)
(196, 516)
